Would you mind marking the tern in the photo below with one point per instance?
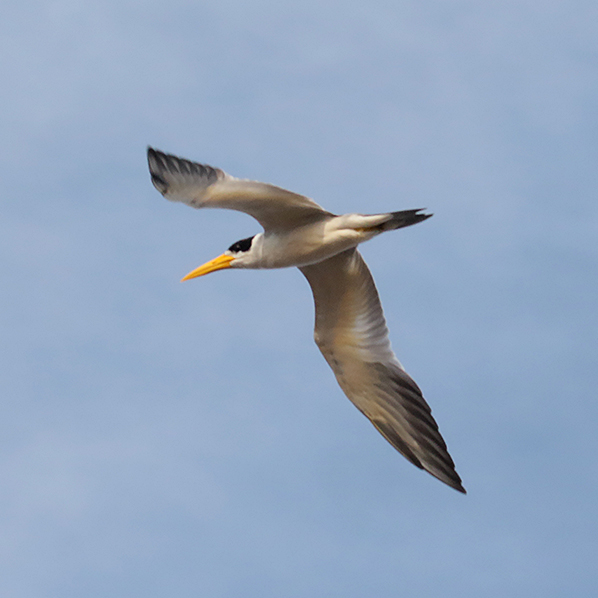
(350, 329)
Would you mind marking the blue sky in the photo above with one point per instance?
(163, 439)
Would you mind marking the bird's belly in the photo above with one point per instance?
(305, 247)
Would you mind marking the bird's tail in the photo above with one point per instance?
(374, 224)
(402, 219)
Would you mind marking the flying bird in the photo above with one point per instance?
(350, 329)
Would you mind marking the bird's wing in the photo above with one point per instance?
(351, 333)
(202, 186)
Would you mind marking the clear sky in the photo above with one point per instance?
(166, 439)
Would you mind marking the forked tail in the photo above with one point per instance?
(402, 219)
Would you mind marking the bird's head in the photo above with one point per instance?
(238, 255)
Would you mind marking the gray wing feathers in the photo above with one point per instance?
(203, 186)
(351, 332)
(181, 180)
(349, 315)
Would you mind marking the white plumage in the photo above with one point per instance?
(350, 329)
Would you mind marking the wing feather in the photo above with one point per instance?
(202, 186)
(351, 333)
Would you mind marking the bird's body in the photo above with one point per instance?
(350, 329)
(310, 243)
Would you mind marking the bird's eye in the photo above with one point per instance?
(242, 245)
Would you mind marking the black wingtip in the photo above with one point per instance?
(449, 477)
(156, 165)
(159, 183)
(154, 154)
(455, 482)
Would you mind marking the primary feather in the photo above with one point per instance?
(352, 335)
(202, 186)
(350, 328)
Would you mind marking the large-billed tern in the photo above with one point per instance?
(350, 329)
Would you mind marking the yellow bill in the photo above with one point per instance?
(218, 263)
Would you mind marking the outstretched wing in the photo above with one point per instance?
(351, 333)
(202, 186)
